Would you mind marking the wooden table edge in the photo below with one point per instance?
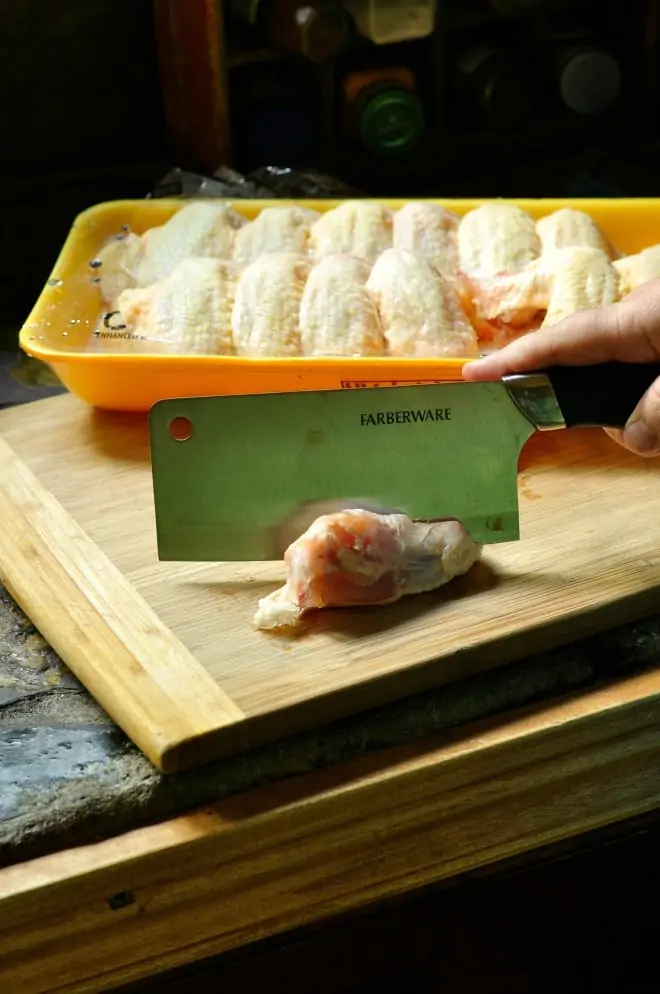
(297, 852)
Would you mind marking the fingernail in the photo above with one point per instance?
(638, 436)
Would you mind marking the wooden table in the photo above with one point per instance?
(255, 865)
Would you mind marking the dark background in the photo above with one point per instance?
(82, 115)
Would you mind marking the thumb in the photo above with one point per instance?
(642, 432)
(628, 331)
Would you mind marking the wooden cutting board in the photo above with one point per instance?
(170, 651)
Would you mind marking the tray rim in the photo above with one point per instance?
(49, 296)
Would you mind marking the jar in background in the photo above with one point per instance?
(589, 79)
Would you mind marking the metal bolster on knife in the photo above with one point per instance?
(533, 395)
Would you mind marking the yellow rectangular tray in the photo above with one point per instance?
(62, 321)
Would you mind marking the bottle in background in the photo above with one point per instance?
(493, 88)
(321, 30)
(589, 79)
(274, 117)
(383, 110)
(386, 22)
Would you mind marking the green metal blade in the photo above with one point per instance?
(256, 470)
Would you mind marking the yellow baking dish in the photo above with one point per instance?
(60, 327)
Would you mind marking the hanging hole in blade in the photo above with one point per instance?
(181, 429)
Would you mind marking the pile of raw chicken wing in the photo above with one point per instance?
(360, 279)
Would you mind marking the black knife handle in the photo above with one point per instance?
(601, 396)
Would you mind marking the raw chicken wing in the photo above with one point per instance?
(566, 228)
(634, 270)
(419, 309)
(118, 259)
(275, 229)
(358, 227)
(582, 278)
(430, 230)
(337, 314)
(496, 238)
(358, 557)
(266, 316)
(560, 283)
(197, 230)
(187, 312)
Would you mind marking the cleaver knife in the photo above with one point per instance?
(240, 477)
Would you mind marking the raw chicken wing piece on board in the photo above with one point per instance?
(358, 227)
(419, 309)
(430, 230)
(266, 315)
(275, 229)
(359, 557)
(567, 228)
(635, 270)
(337, 314)
(188, 312)
(497, 238)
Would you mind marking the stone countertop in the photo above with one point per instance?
(69, 776)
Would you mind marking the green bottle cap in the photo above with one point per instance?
(391, 120)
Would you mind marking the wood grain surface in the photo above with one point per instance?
(589, 559)
(92, 616)
(91, 918)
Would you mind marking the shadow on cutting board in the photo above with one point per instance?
(120, 435)
(373, 620)
(363, 621)
(580, 450)
(366, 620)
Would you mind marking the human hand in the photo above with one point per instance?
(628, 331)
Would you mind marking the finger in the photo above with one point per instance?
(616, 434)
(642, 431)
(583, 338)
(628, 331)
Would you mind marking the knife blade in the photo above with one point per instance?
(240, 477)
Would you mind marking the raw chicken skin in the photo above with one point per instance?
(358, 227)
(198, 230)
(358, 557)
(496, 238)
(560, 283)
(187, 312)
(566, 228)
(337, 314)
(419, 309)
(634, 270)
(583, 278)
(266, 315)
(430, 230)
(275, 229)
(118, 260)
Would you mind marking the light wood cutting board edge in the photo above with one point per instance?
(101, 627)
(154, 687)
